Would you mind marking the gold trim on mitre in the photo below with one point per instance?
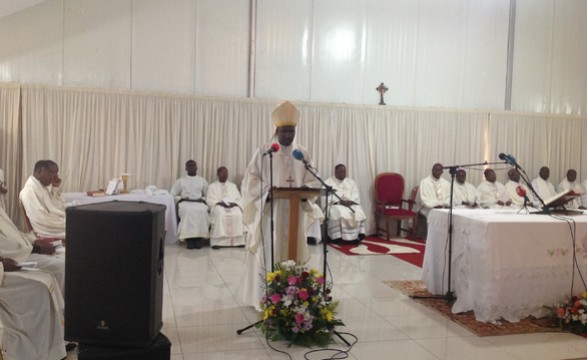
(285, 114)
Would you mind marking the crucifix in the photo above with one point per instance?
(382, 89)
(290, 181)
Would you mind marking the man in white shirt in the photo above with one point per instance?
(464, 193)
(491, 192)
(226, 216)
(542, 186)
(346, 218)
(189, 193)
(570, 183)
(434, 191)
(512, 186)
(42, 202)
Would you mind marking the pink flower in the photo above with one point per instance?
(275, 298)
(299, 318)
(292, 279)
(320, 280)
(303, 294)
(560, 313)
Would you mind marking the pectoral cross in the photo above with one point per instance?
(290, 181)
(382, 89)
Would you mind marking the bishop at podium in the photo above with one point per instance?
(287, 172)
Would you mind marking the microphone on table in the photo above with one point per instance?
(274, 148)
(520, 191)
(298, 155)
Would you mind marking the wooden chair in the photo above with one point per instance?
(27, 222)
(390, 205)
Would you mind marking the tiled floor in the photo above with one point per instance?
(202, 311)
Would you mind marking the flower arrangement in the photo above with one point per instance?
(572, 315)
(297, 307)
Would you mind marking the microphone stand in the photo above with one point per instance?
(329, 191)
(449, 295)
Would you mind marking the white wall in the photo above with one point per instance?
(430, 53)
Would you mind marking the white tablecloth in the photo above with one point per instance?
(167, 200)
(504, 264)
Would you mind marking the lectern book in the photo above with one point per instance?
(561, 199)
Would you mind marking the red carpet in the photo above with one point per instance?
(409, 250)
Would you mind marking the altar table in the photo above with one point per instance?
(80, 198)
(505, 264)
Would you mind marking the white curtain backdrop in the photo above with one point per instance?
(95, 135)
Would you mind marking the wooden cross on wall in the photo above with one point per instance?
(381, 89)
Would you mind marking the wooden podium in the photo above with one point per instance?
(295, 196)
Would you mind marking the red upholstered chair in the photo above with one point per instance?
(390, 205)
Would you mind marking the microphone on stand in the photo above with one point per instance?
(274, 148)
(522, 193)
(510, 159)
(298, 155)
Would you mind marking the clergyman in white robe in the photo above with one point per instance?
(42, 201)
(287, 172)
(346, 223)
(511, 188)
(543, 187)
(570, 183)
(464, 193)
(492, 193)
(31, 306)
(189, 192)
(226, 217)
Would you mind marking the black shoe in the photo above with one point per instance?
(197, 243)
(70, 346)
(191, 244)
(336, 241)
(215, 247)
(361, 237)
(311, 241)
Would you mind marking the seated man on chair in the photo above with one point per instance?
(31, 311)
(465, 194)
(492, 193)
(189, 192)
(22, 291)
(42, 202)
(346, 218)
(226, 215)
(514, 186)
(433, 193)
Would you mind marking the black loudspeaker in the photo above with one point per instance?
(114, 273)
(159, 349)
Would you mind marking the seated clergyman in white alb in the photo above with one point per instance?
(570, 183)
(31, 306)
(514, 188)
(492, 193)
(543, 187)
(434, 191)
(226, 216)
(189, 193)
(41, 199)
(464, 193)
(346, 218)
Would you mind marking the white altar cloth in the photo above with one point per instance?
(504, 264)
(80, 198)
